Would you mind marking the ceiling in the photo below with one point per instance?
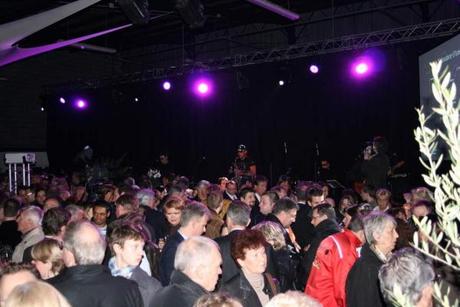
(166, 26)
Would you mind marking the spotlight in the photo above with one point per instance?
(166, 85)
(367, 64)
(361, 68)
(203, 87)
(314, 69)
(81, 104)
(62, 100)
(136, 99)
(281, 82)
(42, 109)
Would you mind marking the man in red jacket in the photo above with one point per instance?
(334, 259)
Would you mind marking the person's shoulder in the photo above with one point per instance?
(171, 294)
(141, 277)
(222, 240)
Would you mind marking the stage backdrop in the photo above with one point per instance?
(330, 113)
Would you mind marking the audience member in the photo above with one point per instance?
(324, 220)
(412, 274)
(334, 258)
(237, 220)
(47, 258)
(86, 282)
(215, 204)
(101, 215)
(127, 244)
(194, 219)
(9, 234)
(308, 197)
(362, 287)
(252, 285)
(29, 224)
(196, 271)
(36, 294)
(14, 275)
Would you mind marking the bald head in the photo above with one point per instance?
(83, 243)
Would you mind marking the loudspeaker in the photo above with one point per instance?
(192, 12)
(136, 10)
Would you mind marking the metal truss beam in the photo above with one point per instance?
(352, 42)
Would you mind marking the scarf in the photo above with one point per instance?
(125, 272)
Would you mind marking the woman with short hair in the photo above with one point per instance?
(253, 286)
(47, 258)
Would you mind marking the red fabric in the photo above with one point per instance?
(334, 259)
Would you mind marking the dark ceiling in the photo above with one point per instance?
(166, 26)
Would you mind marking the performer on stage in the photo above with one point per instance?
(243, 166)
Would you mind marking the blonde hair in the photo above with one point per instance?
(273, 233)
(36, 294)
(49, 250)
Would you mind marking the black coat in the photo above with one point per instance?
(323, 230)
(182, 292)
(302, 227)
(362, 287)
(93, 285)
(9, 234)
(240, 288)
(157, 221)
(167, 257)
(229, 267)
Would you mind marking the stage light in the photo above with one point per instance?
(203, 87)
(42, 109)
(136, 99)
(166, 85)
(62, 100)
(281, 82)
(314, 69)
(81, 104)
(362, 67)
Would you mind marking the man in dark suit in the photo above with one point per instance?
(193, 222)
(308, 197)
(9, 234)
(237, 220)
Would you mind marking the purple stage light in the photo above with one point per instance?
(166, 85)
(362, 67)
(62, 100)
(203, 87)
(81, 104)
(314, 69)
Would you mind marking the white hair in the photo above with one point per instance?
(145, 196)
(292, 298)
(374, 225)
(410, 271)
(194, 253)
(33, 214)
(84, 241)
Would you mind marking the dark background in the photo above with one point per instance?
(331, 109)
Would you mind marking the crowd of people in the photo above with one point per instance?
(228, 243)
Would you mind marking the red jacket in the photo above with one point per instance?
(334, 259)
